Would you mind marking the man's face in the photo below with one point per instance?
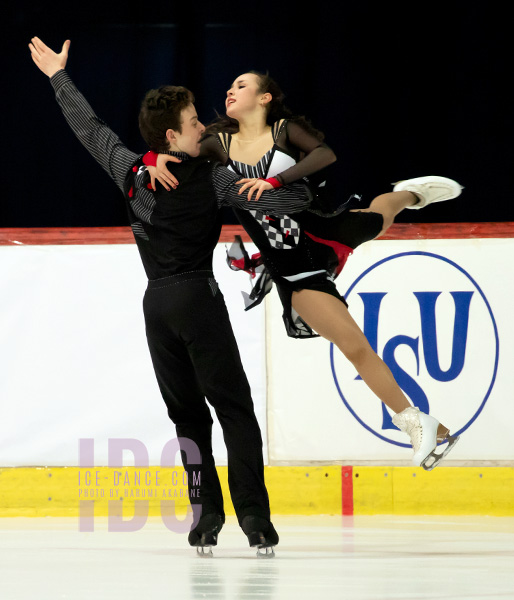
(192, 130)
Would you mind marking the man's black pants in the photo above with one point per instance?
(195, 356)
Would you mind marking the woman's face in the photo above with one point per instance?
(243, 96)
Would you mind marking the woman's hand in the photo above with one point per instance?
(255, 185)
(161, 173)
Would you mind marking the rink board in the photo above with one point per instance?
(89, 376)
(332, 490)
(439, 313)
(74, 351)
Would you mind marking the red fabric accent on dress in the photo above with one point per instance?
(150, 159)
(255, 261)
(239, 263)
(134, 168)
(274, 182)
(131, 192)
(149, 186)
(342, 251)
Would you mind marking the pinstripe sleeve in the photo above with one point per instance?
(281, 201)
(100, 141)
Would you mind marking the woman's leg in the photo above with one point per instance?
(389, 205)
(329, 317)
(413, 193)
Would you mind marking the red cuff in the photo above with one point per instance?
(150, 159)
(274, 182)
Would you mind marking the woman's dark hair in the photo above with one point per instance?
(276, 110)
(160, 111)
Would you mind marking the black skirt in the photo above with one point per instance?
(325, 244)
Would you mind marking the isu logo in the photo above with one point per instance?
(432, 325)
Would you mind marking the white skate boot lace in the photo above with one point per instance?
(408, 421)
(426, 191)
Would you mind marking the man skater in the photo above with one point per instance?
(191, 342)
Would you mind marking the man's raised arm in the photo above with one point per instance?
(102, 143)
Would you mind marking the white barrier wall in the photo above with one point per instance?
(440, 314)
(75, 363)
(74, 358)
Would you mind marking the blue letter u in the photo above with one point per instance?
(427, 302)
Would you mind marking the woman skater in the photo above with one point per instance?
(304, 252)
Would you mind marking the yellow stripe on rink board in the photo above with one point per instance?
(443, 491)
(304, 490)
(57, 491)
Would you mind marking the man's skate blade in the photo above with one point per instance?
(429, 465)
(204, 551)
(264, 548)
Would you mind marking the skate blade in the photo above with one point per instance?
(204, 551)
(265, 552)
(264, 548)
(429, 464)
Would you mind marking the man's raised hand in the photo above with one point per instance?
(46, 59)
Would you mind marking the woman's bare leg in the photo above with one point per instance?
(419, 191)
(329, 317)
(389, 205)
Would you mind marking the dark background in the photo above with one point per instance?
(400, 90)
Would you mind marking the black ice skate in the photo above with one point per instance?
(205, 535)
(261, 535)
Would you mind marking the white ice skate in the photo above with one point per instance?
(429, 189)
(422, 430)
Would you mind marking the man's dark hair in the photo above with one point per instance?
(160, 111)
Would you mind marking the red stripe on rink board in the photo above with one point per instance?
(454, 231)
(347, 490)
(40, 236)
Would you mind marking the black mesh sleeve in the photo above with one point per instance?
(317, 154)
